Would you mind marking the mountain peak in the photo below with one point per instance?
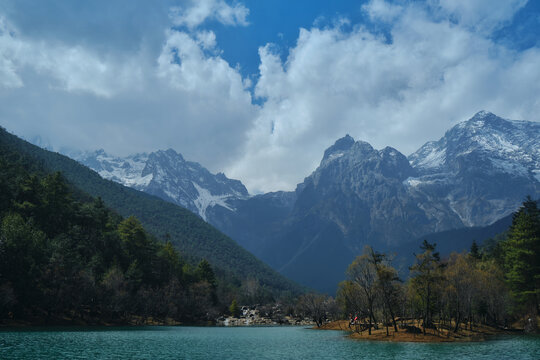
(347, 140)
(482, 114)
(484, 119)
(166, 174)
(340, 146)
(363, 147)
(171, 153)
(484, 144)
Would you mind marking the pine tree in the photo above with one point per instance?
(475, 251)
(234, 309)
(205, 272)
(522, 256)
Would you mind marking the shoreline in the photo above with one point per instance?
(480, 333)
(68, 320)
(136, 321)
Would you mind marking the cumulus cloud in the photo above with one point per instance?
(480, 15)
(184, 96)
(72, 68)
(382, 11)
(199, 11)
(8, 73)
(437, 65)
(433, 72)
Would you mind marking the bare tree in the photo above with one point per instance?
(314, 306)
(363, 272)
(426, 274)
(387, 280)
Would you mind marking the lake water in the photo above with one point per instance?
(240, 343)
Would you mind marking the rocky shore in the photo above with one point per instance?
(253, 316)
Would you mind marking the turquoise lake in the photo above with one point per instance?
(240, 343)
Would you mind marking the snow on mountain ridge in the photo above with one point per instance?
(474, 162)
(206, 199)
(166, 174)
(499, 139)
(126, 171)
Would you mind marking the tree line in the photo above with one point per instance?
(495, 285)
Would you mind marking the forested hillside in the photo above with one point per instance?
(56, 218)
(66, 260)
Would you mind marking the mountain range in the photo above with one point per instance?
(167, 175)
(479, 172)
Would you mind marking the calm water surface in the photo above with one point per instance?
(240, 343)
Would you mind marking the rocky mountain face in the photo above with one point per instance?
(481, 168)
(255, 220)
(168, 175)
(477, 173)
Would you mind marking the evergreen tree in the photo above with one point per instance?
(234, 309)
(205, 272)
(522, 256)
(475, 251)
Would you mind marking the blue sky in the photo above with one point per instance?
(279, 22)
(256, 88)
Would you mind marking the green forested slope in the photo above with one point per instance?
(65, 257)
(192, 236)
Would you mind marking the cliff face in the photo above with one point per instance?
(477, 173)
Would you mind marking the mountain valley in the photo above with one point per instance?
(478, 173)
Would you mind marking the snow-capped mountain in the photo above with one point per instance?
(166, 174)
(511, 146)
(481, 167)
(477, 173)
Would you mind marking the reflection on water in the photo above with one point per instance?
(240, 343)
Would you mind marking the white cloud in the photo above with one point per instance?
(201, 10)
(72, 68)
(186, 96)
(481, 15)
(437, 69)
(382, 11)
(8, 48)
(433, 73)
(207, 39)
(185, 66)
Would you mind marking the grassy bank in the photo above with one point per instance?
(442, 334)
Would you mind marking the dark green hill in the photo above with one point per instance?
(457, 240)
(462, 239)
(193, 237)
(67, 260)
